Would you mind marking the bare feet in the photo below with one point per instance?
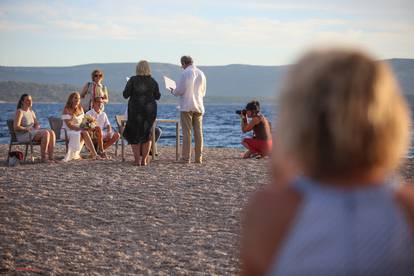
(247, 154)
(47, 161)
(136, 164)
(96, 157)
(104, 155)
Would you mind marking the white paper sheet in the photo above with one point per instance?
(169, 83)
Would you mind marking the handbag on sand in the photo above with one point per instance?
(15, 157)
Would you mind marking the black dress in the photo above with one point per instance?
(142, 92)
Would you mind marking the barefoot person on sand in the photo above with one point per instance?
(72, 117)
(27, 127)
(261, 142)
(335, 207)
(143, 92)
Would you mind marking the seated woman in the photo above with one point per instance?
(261, 143)
(27, 127)
(72, 118)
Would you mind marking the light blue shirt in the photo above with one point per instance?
(346, 232)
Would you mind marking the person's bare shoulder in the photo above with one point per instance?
(405, 198)
(266, 222)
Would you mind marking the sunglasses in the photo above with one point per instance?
(96, 76)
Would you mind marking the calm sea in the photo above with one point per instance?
(221, 124)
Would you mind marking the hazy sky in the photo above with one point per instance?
(214, 32)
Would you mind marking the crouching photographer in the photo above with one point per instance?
(260, 144)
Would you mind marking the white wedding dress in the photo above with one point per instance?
(75, 144)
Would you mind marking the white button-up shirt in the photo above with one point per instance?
(101, 118)
(191, 89)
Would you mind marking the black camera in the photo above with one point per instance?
(241, 112)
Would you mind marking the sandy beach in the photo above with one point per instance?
(109, 217)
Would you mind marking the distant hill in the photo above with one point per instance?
(224, 83)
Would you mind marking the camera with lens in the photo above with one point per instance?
(241, 112)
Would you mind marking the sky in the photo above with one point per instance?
(213, 32)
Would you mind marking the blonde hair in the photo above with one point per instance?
(97, 71)
(69, 102)
(342, 112)
(143, 68)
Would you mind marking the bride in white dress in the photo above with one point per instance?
(72, 117)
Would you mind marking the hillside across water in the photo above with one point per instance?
(230, 83)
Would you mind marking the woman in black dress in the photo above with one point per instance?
(142, 91)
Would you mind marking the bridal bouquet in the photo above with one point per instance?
(88, 122)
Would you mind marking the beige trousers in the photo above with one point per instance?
(192, 120)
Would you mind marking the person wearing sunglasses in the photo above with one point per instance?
(94, 89)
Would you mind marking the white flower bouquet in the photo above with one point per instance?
(88, 122)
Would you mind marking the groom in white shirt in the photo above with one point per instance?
(109, 136)
(191, 89)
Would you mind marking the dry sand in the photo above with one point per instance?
(109, 217)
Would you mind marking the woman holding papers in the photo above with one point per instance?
(142, 91)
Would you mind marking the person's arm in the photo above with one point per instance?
(36, 124)
(18, 121)
(405, 199)
(265, 226)
(246, 127)
(84, 90)
(157, 94)
(107, 124)
(128, 89)
(105, 97)
(181, 86)
(69, 121)
(204, 84)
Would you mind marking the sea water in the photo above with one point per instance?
(221, 125)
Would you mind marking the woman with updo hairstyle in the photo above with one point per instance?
(261, 143)
(335, 205)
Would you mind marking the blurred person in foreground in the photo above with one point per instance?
(260, 144)
(143, 92)
(335, 206)
(191, 89)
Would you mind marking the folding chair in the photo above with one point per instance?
(14, 142)
(56, 125)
